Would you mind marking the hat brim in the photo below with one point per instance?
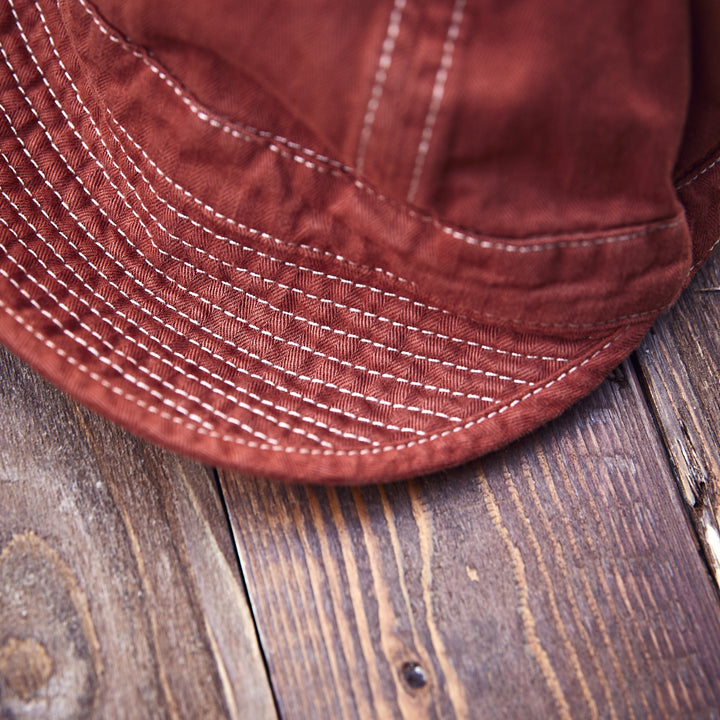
(169, 300)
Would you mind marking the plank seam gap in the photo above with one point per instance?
(251, 607)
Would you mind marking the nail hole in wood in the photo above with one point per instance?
(414, 675)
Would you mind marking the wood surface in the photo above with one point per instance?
(680, 363)
(120, 592)
(568, 576)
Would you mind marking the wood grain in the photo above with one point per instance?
(680, 362)
(120, 593)
(559, 578)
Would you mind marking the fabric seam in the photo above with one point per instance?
(380, 78)
(436, 98)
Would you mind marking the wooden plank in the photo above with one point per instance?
(680, 362)
(120, 593)
(559, 578)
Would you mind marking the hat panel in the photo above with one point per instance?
(301, 70)
(148, 269)
(560, 117)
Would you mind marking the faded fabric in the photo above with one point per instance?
(348, 242)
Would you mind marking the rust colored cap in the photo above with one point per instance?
(348, 242)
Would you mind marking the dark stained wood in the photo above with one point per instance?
(559, 578)
(680, 362)
(120, 593)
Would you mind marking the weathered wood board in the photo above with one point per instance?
(680, 362)
(120, 592)
(559, 578)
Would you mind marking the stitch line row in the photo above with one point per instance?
(697, 175)
(436, 98)
(203, 383)
(174, 330)
(123, 372)
(697, 264)
(381, 74)
(232, 439)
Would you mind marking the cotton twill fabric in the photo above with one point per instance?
(348, 243)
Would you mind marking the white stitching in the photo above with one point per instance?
(646, 231)
(715, 162)
(170, 81)
(300, 318)
(264, 236)
(241, 226)
(105, 360)
(343, 363)
(702, 261)
(223, 340)
(229, 240)
(695, 177)
(214, 306)
(215, 356)
(230, 364)
(436, 98)
(394, 447)
(381, 73)
(246, 134)
(214, 389)
(104, 382)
